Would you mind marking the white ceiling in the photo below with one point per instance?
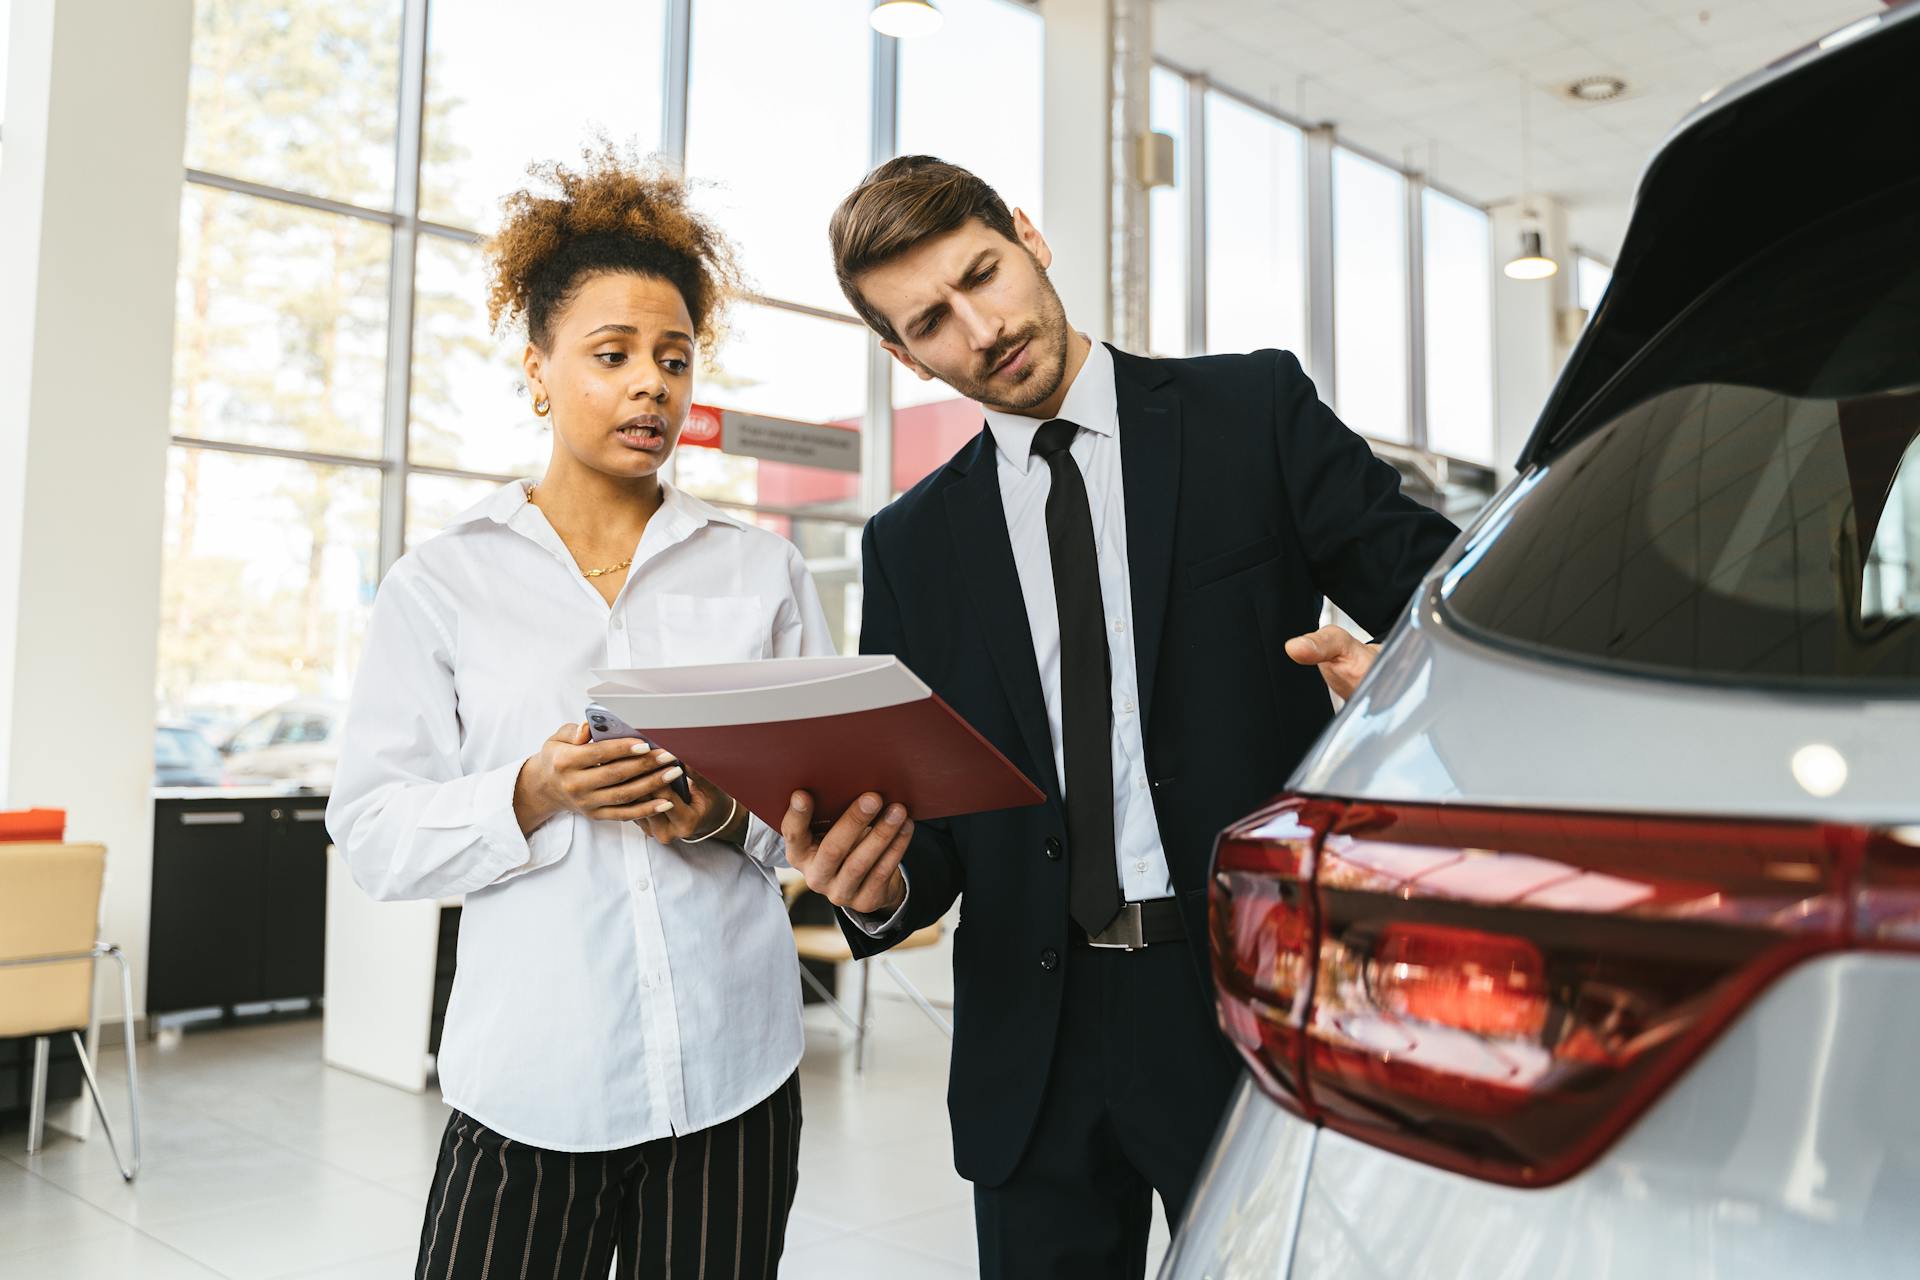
(1438, 84)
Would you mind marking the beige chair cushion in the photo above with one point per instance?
(49, 905)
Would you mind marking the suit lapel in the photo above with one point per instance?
(979, 523)
(1150, 448)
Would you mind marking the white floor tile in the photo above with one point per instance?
(35, 1214)
(171, 1191)
(944, 1233)
(123, 1255)
(387, 1266)
(884, 1183)
(295, 1234)
(804, 1229)
(864, 1258)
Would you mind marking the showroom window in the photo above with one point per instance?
(1169, 98)
(998, 137)
(1405, 355)
(338, 397)
(1370, 337)
(5, 18)
(1458, 302)
(1590, 279)
(1256, 247)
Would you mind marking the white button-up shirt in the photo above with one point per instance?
(611, 990)
(1093, 404)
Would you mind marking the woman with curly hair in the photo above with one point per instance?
(620, 1050)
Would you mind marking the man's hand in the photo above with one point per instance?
(1341, 656)
(856, 865)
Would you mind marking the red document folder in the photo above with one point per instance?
(835, 727)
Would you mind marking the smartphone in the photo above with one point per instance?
(604, 726)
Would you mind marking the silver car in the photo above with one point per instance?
(1586, 942)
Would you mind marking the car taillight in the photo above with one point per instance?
(1501, 992)
(1260, 914)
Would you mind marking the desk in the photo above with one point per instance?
(384, 962)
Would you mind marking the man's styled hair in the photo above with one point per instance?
(902, 204)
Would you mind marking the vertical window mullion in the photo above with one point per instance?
(1416, 311)
(406, 204)
(676, 58)
(876, 439)
(1196, 177)
(1319, 249)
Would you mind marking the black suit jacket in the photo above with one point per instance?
(1247, 502)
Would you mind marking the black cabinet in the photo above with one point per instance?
(239, 900)
(16, 1073)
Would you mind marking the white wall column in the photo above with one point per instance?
(1077, 155)
(1527, 350)
(1130, 122)
(95, 122)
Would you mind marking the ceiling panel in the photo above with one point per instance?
(1439, 83)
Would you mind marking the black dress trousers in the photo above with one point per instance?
(707, 1204)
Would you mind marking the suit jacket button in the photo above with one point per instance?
(1053, 848)
(1049, 959)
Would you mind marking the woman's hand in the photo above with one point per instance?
(676, 819)
(607, 781)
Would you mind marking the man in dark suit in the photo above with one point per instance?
(1118, 583)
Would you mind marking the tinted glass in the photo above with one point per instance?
(1745, 502)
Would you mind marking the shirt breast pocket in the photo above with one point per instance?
(691, 630)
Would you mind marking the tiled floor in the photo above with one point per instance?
(261, 1162)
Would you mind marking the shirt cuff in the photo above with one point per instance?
(517, 852)
(870, 923)
(764, 845)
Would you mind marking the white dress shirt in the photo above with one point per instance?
(1092, 403)
(611, 990)
(1025, 481)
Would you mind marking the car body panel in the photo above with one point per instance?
(1791, 1148)
(1444, 717)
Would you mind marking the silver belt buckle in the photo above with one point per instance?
(1125, 933)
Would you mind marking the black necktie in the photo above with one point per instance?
(1086, 710)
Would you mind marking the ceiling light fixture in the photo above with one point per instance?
(1532, 262)
(1596, 88)
(904, 19)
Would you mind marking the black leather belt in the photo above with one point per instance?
(1140, 924)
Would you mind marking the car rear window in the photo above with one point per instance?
(1743, 501)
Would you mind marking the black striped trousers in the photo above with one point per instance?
(710, 1205)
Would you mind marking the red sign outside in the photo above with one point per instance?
(703, 427)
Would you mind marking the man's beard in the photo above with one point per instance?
(1040, 384)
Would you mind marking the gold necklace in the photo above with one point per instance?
(589, 573)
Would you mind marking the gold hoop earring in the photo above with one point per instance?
(542, 407)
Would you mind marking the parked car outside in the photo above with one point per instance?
(182, 757)
(1586, 941)
(296, 742)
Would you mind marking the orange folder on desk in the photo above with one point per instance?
(835, 727)
(40, 826)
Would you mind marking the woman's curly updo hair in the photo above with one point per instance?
(612, 214)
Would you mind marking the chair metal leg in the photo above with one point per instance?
(820, 989)
(913, 994)
(99, 1106)
(37, 1104)
(127, 1171)
(866, 1017)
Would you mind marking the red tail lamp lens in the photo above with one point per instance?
(1481, 983)
(1261, 918)
(1503, 992)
